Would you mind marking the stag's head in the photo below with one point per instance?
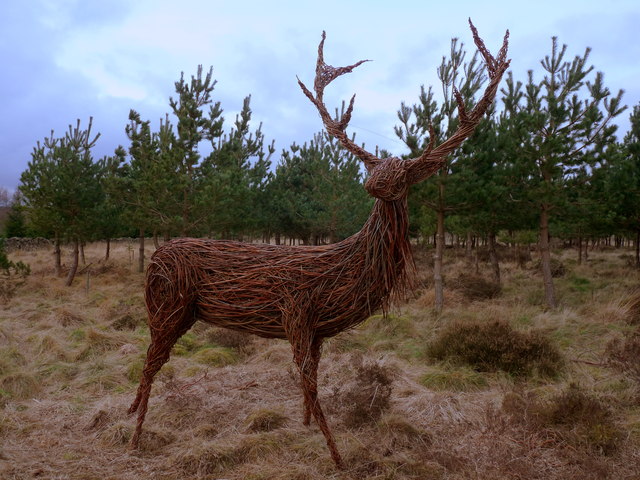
(390, 178)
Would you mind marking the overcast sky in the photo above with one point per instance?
(64, 60)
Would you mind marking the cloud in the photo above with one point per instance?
(68, 59)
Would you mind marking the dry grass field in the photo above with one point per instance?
(494, 388)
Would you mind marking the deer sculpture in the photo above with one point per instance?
(304, 294)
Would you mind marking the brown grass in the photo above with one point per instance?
(70, 360)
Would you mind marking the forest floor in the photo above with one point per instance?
(228, 406)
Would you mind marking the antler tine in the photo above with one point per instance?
(432, 158)
(325, 74)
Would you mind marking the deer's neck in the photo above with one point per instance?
(388, 257)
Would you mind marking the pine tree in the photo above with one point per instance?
(61, 188)
(622, 183)
(232, 178)
(316, 194)
(557, 121)
(192, 127)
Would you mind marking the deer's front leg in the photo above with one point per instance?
(306, 354)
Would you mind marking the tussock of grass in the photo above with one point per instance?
(496, 346)
(98, 343)
(68, 318)
(265, 420)
(211, 457)
(10, 358)
(403, 434)
(19, 386)
(117, 434)
(215, 356)
(127, 322)
(457, 380)
(134, 369)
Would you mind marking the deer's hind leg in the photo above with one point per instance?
(164, 334)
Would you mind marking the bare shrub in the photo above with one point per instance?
(573, 416)
(12, 275)
(496, 346)
(558, 268)
(241, 341)
(368, 397)
(476, 287)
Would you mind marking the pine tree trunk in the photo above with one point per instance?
(586, 249)
(545, 258)
(84, 260)
(74, 265)
(638, 249)
(156, 243)
(579, 250)
(57, 256)
(141, 251)
(108, 251)
(437, 262)
(468, 253)
(493, 258)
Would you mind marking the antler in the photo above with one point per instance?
(432, 158)
(325, 74)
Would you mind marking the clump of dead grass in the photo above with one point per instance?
(495, 345)
(632, 307)
(624, 355)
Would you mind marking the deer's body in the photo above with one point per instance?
(304, 294)
(255, 288)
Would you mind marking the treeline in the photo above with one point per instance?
(546, 162)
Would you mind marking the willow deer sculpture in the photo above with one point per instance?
(301, 293)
